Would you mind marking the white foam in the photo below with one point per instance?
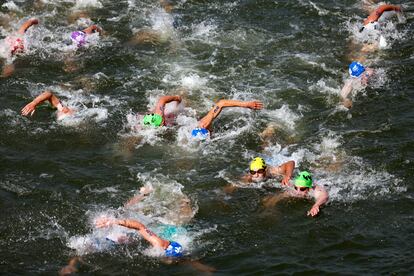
(205, 30)
(162, 21)
(82, 4)
(283, 115)
(193, 81)
(11, 6)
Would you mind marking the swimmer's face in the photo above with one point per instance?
(301, 190)
(259, 175)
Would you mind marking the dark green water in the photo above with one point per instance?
(292, 55)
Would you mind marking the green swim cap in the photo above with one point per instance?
(152, 119)
(304, 179)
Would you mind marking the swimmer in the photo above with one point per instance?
(155, 37)
(204, 128)
(158, 116)
(62, 111)
(303, 188)
(259, 171)
(359, 78)
(371, 24)
(171, 248)
(80, 37)
(15, 43)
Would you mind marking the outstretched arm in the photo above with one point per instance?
(93, 29)
(207, 120)
(321, 197)
(26, 25)
(375, 15)
(143, 192)
(45, 96)
(286, 169)
(159, 108)
(134, 224)
(346, 89)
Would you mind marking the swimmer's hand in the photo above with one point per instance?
(29, 109)
(34, 21)
(145, 190)
(285, 180)
(255, 105)
(105, 222)
(313, 211)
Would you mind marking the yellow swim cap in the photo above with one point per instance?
(257, 164)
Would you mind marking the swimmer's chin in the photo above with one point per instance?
(258, 179)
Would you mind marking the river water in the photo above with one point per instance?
(58, 176)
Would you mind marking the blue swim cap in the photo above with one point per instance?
(174, 250)
(200, 133)
(356, 69)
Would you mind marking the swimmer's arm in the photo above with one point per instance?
(247, 178)
(321, 197)
(346, 89)
(134, 200)
(92, 29)
(143, 192)
(375, 15)
(26, 25)
(207, 120)
(45, 96)
(145, 232)
(133, 224)
(159, 108)
(8, 70)
(286, 169)
(271, 200)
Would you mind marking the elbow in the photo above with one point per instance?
(47, 93)
(221, 103)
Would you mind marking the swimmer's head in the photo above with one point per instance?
(356, 69)
(152, 120)
(258, 169)
(174, 249)
(304, 180)
(79, 38)
(200, 133)
(63, 112)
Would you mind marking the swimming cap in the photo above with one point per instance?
(79, 38)
(200, 133)
(153, 120)
(356, 69)
(257, 164)
(304, 179)
(174, 249)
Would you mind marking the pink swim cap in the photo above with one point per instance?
(79, 38)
